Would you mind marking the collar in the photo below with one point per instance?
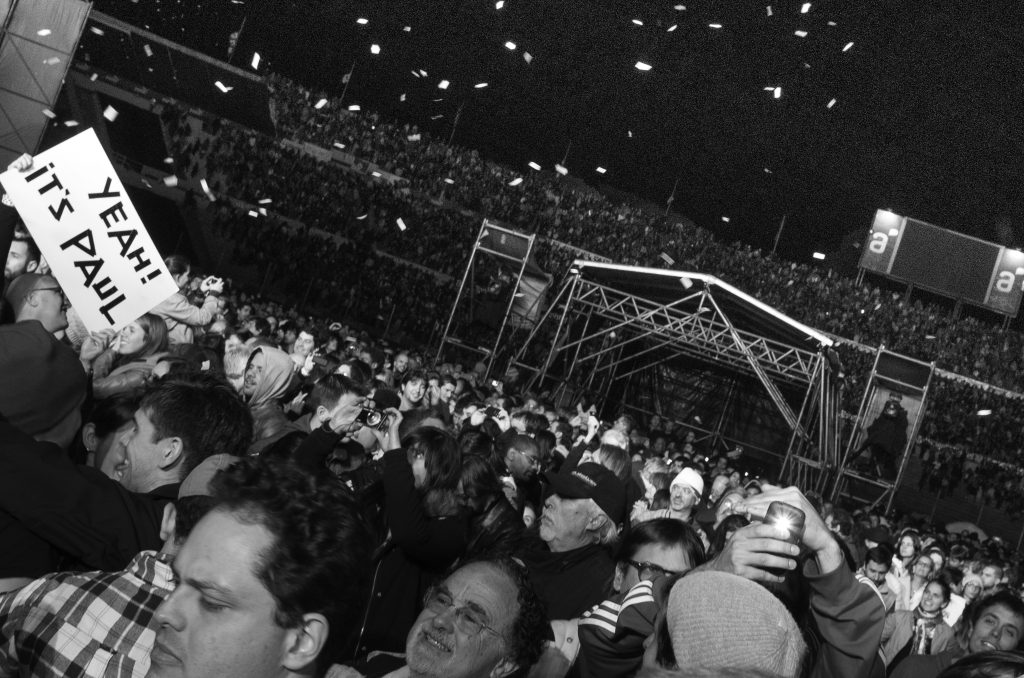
(153, 567)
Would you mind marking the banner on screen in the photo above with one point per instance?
(97, 247)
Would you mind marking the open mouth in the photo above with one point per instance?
(436, 642)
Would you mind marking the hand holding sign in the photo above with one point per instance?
(79, 214)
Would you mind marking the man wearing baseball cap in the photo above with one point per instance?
(102, 623)
(572, 570)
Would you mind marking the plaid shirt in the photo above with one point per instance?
(85, 624)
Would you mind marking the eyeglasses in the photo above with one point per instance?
(531, 460)
(467, 620)
(58, 290)
(650, 571)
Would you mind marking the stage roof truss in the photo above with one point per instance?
(707, 335)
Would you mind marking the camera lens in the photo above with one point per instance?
(373, 417)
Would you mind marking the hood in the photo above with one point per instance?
(276, 377)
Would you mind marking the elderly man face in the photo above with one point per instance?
(465, 626)
(563, 525)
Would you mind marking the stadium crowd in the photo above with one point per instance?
(229, 486)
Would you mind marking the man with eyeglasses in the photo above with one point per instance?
(652, 556)
(483, 621)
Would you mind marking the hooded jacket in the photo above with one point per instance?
(268, 418)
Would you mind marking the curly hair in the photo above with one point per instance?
(321, 544)
(204, 412)
(530, 626)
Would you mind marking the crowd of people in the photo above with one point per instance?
(446, 191)
(227, 487)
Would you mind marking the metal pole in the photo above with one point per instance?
(455, 123)
(347, 79)
(671, 198)
(566, 156)
(778, 234)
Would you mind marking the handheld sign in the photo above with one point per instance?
(79, 214)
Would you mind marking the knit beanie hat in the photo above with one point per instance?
(690, 478)
(722, 621)
(42, 383)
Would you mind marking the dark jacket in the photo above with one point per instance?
(846, 623)
(415, 555)
(571, 582)
(78, 510)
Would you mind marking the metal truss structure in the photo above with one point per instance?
(891, 374)
(617, 323)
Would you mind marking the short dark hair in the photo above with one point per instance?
(881, 555)
(664, 531)
(976, 609)
(204, 411)
(33, 253)
(328, 389)
(187, 512)
(112, 413)
(321, 544)
(177, 264)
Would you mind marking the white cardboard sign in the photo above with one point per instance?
(79, 214)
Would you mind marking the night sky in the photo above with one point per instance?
(925, 121)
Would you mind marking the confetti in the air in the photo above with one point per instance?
(805, 8)
(361, 217)
(320, 104)
(680, 8)
(777, 93)
(832, 23)
(415, 137)
(527, 57)
(402, 98)
(97, 31)
(641, 66)
(672, 28)
(222, 87)
(266, 201)
(849, 45)
(49, 114)
(819, 256)
(767, 171)
(148, 50)
(110, 113)
(725, 219)
(668, 260)
(831, 103)
(416, 73)
(480, 85)
(449, 181)
(255, 60)
(562, 169)
(374, 49)
(338, 144)
(71, 123)
(401, 224)
(206, 189)
(769, 8)
(407, 29)
(171, 181)
(600, 170)
(443, 84)
(499, 4)
(254, 214)
(354, 108)
(168, 160)
(437, 117)
(630, 133)
(714, 25)
(534, 165)
(93, 77)
(638, 22)
(43, 32)
(362, 22)
(510, 45)
(516, 181)
(800, 34)
(423, 73)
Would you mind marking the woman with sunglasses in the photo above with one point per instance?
(612, 634)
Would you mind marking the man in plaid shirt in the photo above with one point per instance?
(101, 623)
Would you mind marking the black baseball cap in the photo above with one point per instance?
(592, 481)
